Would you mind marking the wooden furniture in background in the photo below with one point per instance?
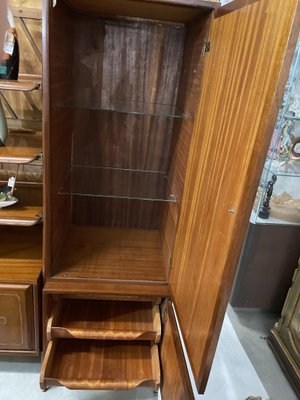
(285, 335)
(266, 267)
(188, 97)
(20, 286)
(20, 224)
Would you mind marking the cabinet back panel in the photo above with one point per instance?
(128, 61)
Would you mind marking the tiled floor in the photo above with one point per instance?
(244, 365)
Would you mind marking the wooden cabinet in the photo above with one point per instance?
(20, 224)
(158, 115)
(285, 335)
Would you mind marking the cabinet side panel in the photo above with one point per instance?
(187, 100)
(57, 85)
(236, 116)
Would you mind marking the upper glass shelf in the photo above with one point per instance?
(117, 183)
(292, 117)
(125, 107)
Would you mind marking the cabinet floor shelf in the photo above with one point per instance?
(117, 183)
(108, 365)
(104, 320)
(125, 107)
(21, 215)
(25, 83)
(112, 255)
(21, 148)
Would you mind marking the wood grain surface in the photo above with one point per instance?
(20, 254)
(21, 148)
(20, 85)
(16, 317)
(109, 254)
(24, 109)
(104, 320)
(231, 135)
(21, 215)
(187, 100)
(93, 364)
(129, 61)
(176, 11)
(176, 383)
(126, 290)
(57, 125)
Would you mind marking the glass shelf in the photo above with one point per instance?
(278, 196)
(286, 116)
(117, 183)
(125, 107)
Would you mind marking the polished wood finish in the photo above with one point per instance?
(134, 290)
(21, 215)
(57, 126)
(176, 383)
(111, 254)
(108, 365)
(214, 163)
(166, 10)
(111, 139)
(104, 320)
(16, 317)
(20, 85)
(224, 166)
(21, 148)
(188, 98)
(20, 255)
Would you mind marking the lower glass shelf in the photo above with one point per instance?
(117, 183)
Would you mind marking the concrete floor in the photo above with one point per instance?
(243, 366)
(252, 328)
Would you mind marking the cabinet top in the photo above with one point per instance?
(179, 11)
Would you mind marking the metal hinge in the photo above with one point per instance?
(206, 48)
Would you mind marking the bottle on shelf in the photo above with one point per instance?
(9, 66)
(3, 126)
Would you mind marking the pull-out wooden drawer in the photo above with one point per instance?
(107, 365)
(16, 317)
(109, 320)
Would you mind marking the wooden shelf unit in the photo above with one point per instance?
(104, 320)
(78, 363)
(175, 53)
(25, 83)
(21, 148)
(21, 215)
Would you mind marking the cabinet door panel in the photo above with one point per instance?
(244, 76)
(16, 317)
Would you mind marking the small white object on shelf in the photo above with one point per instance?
(8, 202)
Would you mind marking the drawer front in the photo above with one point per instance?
(16, 317)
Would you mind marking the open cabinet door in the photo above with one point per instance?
(252, 43)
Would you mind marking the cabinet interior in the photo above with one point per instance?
(123, 95)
